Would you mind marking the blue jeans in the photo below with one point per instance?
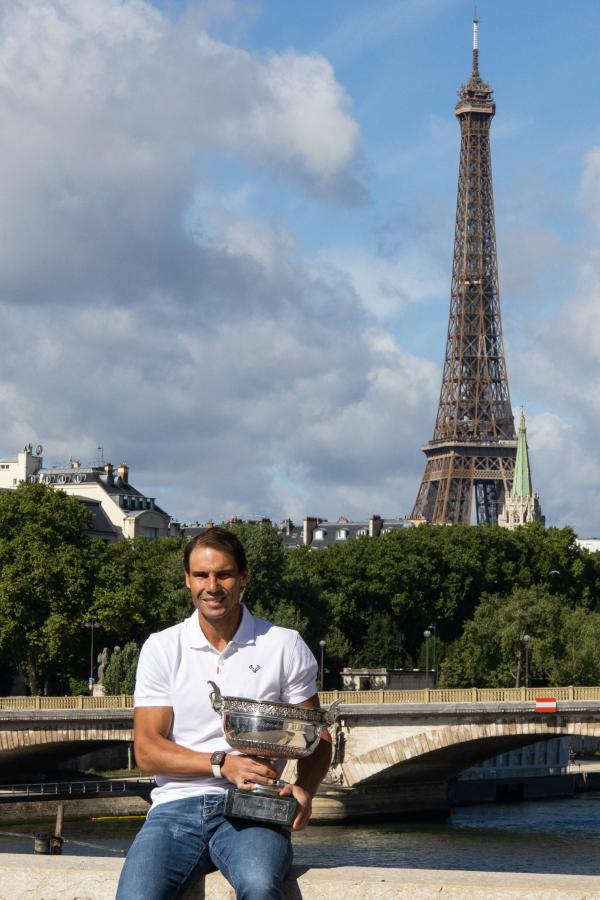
(182, 839)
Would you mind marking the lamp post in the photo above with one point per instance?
(433, 628)
(91, 625)
(322, 646)
(526, 638)
(427, 636)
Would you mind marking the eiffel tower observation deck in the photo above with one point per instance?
(471, 457)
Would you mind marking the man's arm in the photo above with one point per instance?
(156, 754)
(311, 772)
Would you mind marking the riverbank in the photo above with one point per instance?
(45, 810)
(325, 809)
(63, 878)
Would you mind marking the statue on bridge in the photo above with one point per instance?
(102, 664)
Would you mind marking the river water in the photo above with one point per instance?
(560, 836)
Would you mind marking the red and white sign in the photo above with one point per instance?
(545, 704)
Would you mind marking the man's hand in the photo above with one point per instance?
(246, 771)
(304, 800)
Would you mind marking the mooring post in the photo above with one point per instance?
(57, 840)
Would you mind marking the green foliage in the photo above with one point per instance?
(140, 588)
(77, 686)
(119, 677)
(265, 555)
(564, 646)
(46, 567)
(371, 599)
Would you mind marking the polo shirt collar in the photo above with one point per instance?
(246, 633)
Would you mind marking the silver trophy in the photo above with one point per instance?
(275, 731)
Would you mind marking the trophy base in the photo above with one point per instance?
(260, 805)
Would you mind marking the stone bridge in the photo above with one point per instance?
(389, 758)
(34, 739)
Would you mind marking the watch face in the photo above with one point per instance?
(218, 758)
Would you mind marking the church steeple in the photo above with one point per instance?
(522, 486)
(522, 505)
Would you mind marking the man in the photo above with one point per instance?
(179, 737)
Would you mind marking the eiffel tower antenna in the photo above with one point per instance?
(471, 456)
(475, 73)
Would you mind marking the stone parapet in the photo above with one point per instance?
(95, 878)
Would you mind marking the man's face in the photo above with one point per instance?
(216, 585)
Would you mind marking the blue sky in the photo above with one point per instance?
(228, 234)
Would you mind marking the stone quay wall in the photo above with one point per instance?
(95, 878)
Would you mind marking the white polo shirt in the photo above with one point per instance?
(262, 662)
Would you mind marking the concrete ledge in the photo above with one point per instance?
(24, 877)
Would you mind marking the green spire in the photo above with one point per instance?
(522, 480)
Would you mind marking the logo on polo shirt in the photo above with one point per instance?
(254, 668)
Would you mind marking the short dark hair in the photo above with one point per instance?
(218, 539)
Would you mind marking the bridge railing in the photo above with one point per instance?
(427, 695)
(118, 701)
(462, 695)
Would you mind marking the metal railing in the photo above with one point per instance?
(61, 788)
(427, 695)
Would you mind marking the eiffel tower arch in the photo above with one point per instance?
(471, 457)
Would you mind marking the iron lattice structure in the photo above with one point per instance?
(473, 448)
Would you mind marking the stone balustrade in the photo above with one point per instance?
(426, 695)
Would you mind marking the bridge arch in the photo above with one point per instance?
(27, 748)
(439, 753)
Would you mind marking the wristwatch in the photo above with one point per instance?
(217, 759)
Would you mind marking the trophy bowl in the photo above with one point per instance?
(272, 730)
(275, 730)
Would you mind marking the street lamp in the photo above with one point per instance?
(526, 638)
(434, 629)
(427, 635)
(322, 646)
(91, 625)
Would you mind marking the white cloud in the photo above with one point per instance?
(558, 372)
(388, 285)
(108, 109)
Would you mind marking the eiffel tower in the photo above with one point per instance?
(472, 453)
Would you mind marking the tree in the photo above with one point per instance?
(46, 569)
(140, 588)
(265, 555)
(564, 645)
(119, 677)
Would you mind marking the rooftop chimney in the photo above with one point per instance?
(375, 523)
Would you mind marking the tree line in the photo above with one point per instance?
(483, 588)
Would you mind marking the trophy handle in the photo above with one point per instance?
(215, 697)
(333, 712)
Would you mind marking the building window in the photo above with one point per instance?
(362, 532)
(319, 534)
(342, 534)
